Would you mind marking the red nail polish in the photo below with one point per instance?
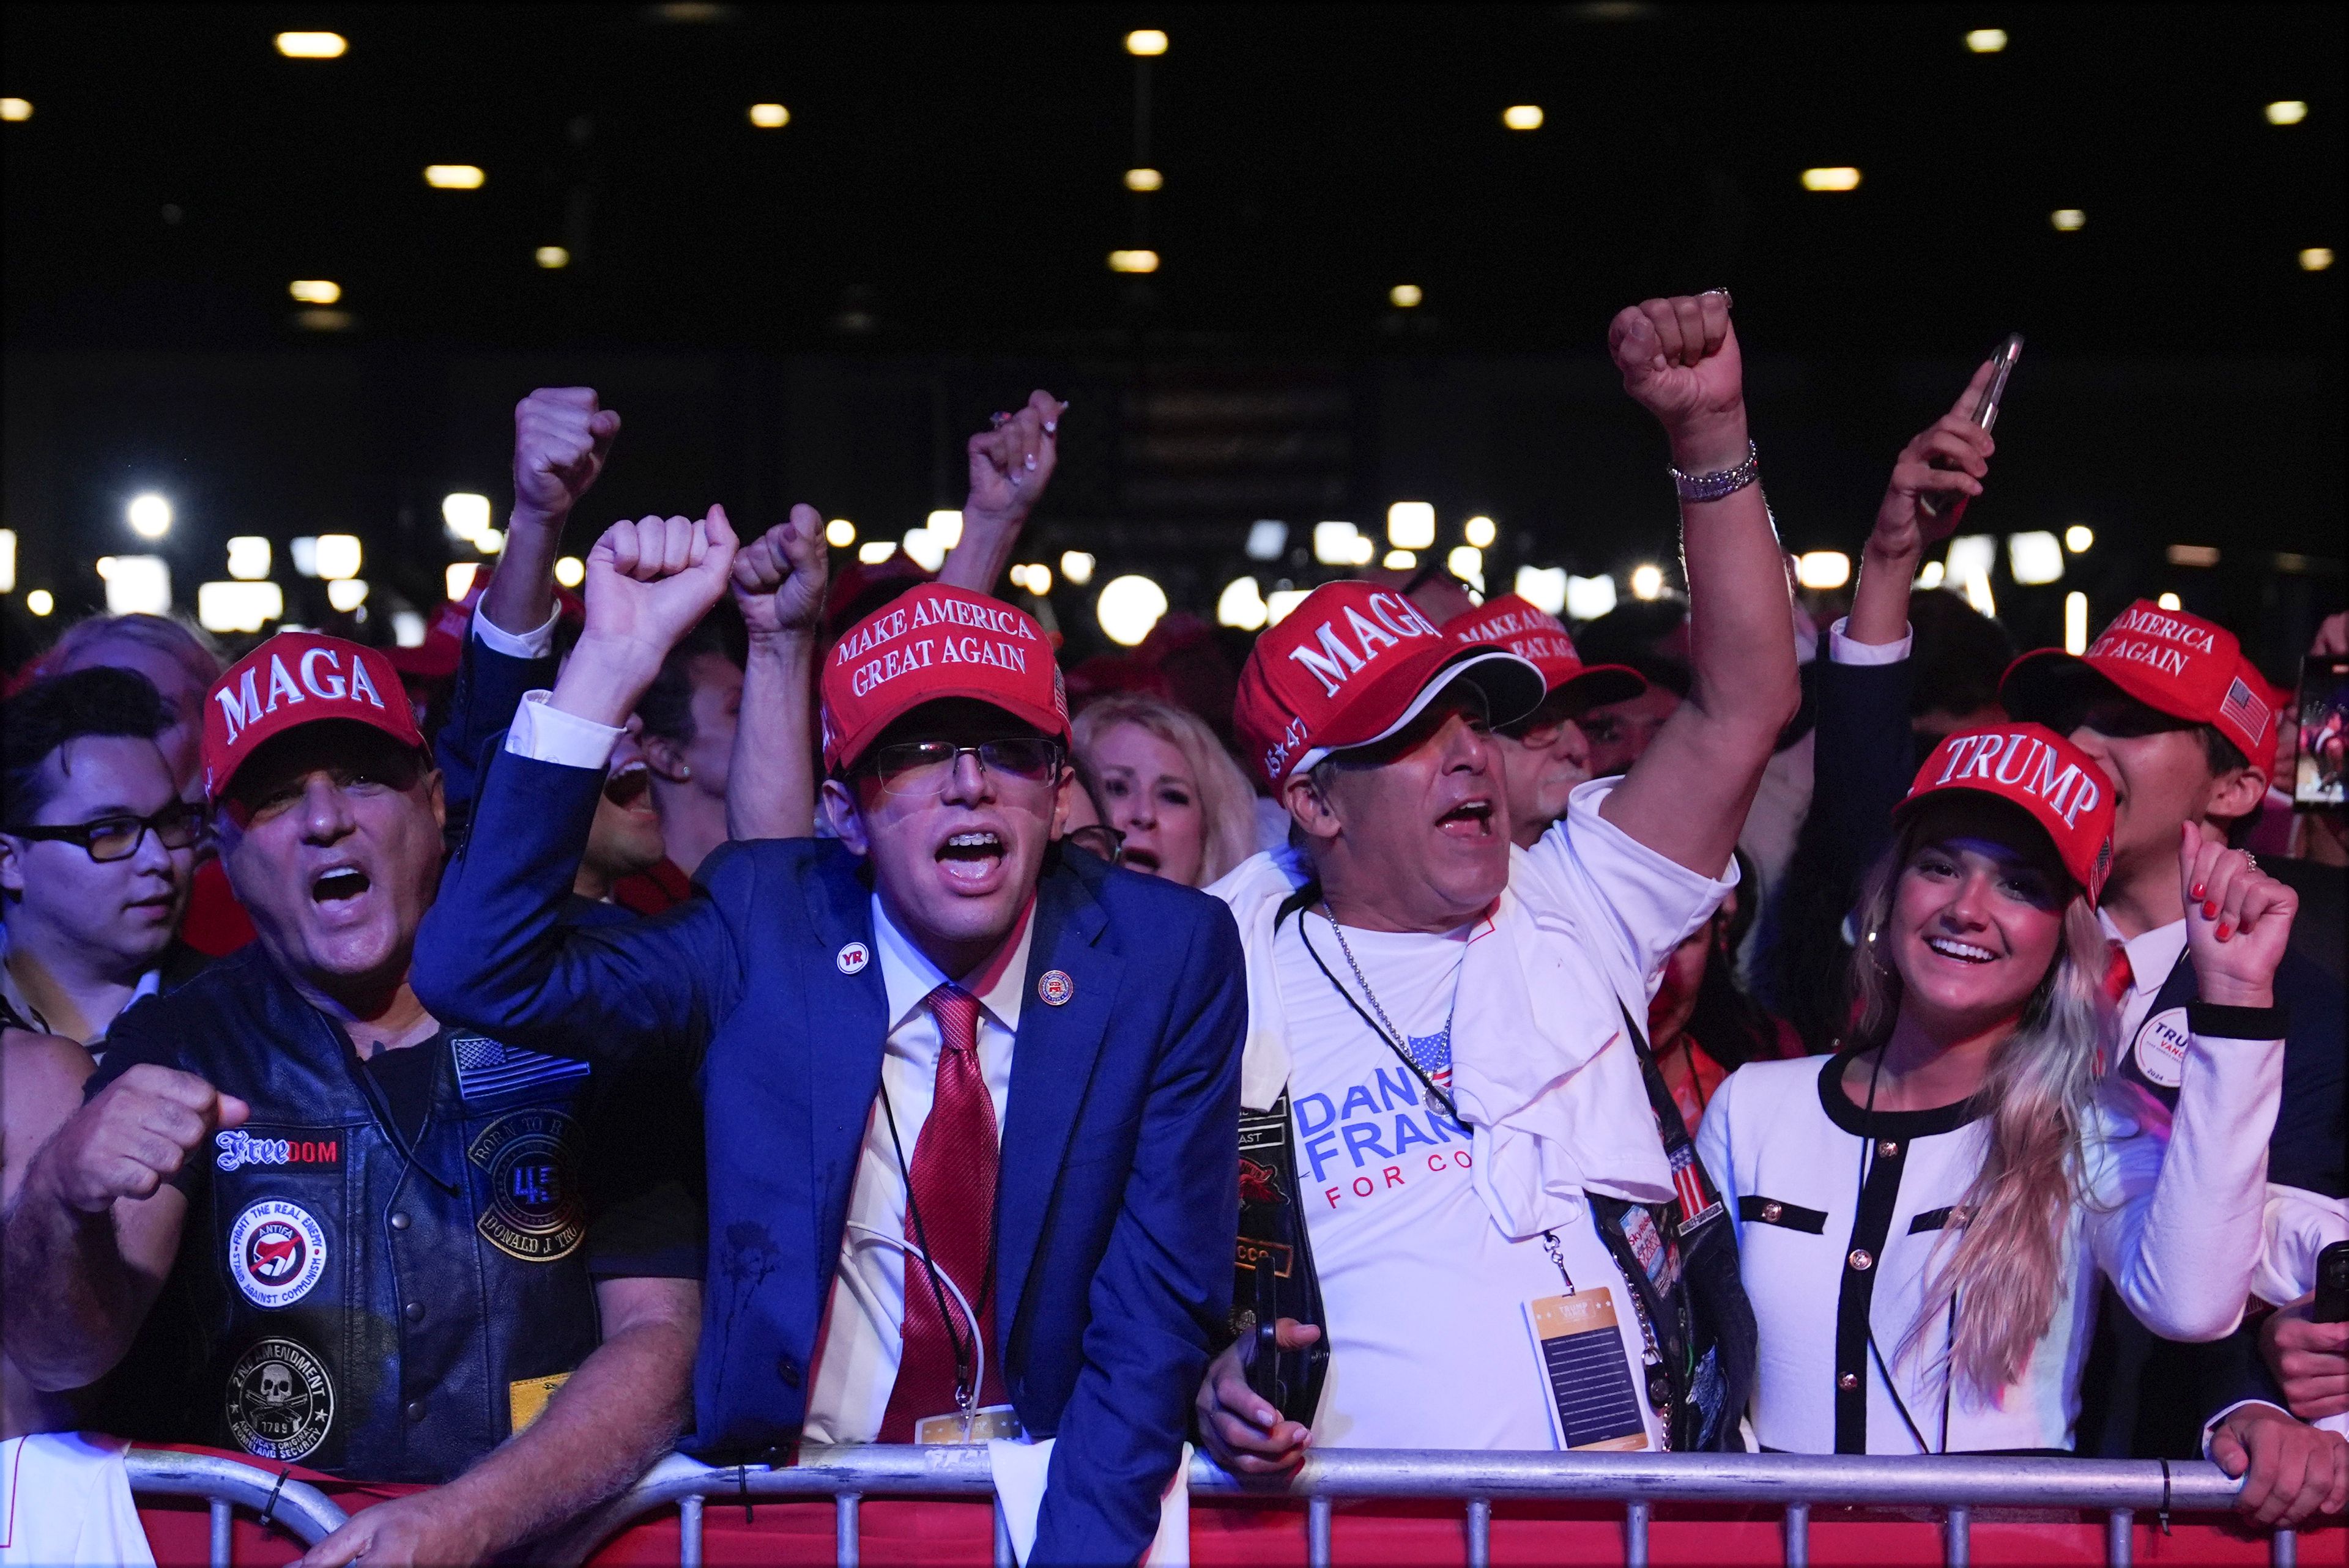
(2210, 911)
(2198, 891)
(2225, 931)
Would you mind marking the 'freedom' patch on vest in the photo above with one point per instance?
(485, 1069)
(536, 1211)
(281, 1403)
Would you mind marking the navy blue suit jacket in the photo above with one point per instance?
(1117, 1199)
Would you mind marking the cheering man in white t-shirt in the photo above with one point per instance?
(1453, 1155)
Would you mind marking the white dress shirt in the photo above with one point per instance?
(2151, 956)
(862, 1335)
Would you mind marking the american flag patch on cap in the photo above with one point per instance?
(2243, 706)
(486, 1068)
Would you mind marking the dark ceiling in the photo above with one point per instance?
(950, 178)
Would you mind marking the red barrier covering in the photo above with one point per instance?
(959, 1534)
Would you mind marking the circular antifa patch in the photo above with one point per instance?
(280, 1401)
(1054, 987)
(536, 1210)
(276, 1252)
(2160, 1048)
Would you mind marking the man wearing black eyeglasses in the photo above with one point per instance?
(96, 853)
(969, 1099)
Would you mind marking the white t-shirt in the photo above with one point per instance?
(1424, 1294)
(65, 1498)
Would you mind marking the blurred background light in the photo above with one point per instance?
(1077, 566)
(1404, 296)
(458, 580)
(1522, 116)
(945, 527)
(1840, 178)
(1587, 598)
(570, 570)
(346, 593)
(136, 584)
(338, 555)
(1128, 607)
(314, 291)
(874, 551)
(1480, 531)
(15, 108)
(2316, 259)
(1466, 562)
(925, 549)
(238, 606)
(770, 116)
(8, 560)
(1280, 601)
(2079, 539)
(1411, 525)
(553, 258)
(40, 601)
(1971, 554)
(1543, 586)
(2068, 220)
(2075, 623)
(2204, 555)
(1145, 41)
(248, 557)
(1333, 543)
(1931, 574)
(303, 550)
(2035, 560)
(465, 515)
(2287, 111)
(1144, 179)
(312, 46)
(149, 515)
(408, 629)
(1133, 261)
(1241, 604)
(2170, 602)
(1400, 560)
(1267, 538)
(1823, 569)
(454, 176)
(1986, 40)
(1647, 581)
(318, 319)
(840, 533)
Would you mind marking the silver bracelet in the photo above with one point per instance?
(1725, 482)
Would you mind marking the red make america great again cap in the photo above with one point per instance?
(2172, 662)
(297, 679)
(930, 643)
(1533, 633)
(2030, 765)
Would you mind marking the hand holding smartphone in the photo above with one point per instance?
(1985, 415)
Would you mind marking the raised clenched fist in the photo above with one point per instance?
(1679, 360)
(561, 440)
(649, 581)
(1012, 461)
(2238, 922)
(779, 577)
(132, 1138)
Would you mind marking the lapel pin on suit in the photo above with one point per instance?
(854, 957)
(1054, 987)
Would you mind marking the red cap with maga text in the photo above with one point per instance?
(2032, 767)
(297, 679)
(1533, 635)
(2172, 662)
(930, 643)
(1352, 665)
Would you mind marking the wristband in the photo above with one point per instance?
(1720, 483)
(2212, 1021)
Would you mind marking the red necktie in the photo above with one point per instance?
(2118, 976)
(952, 1188)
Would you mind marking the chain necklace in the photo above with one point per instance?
(1393, 1038)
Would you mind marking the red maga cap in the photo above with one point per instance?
(935, 642)
(1353, 663)
(2172, 662)
(1533, 635)
(2035, 768)
(296, 678)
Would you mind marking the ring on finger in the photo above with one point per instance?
(1727, 301)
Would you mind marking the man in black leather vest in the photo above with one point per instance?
(372, 1245)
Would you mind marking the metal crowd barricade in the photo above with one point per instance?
(300, 1508)
(1794, 1483)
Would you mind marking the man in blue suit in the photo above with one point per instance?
(970, 1105)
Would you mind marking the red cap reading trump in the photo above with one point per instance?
(297, 679)
(1352, 665)
(2030, 765)
(2173, 662)
(930, 643)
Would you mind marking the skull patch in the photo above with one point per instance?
(281, 1402)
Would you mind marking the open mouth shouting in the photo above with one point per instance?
(972, 860)
(630, 788)
(338, 892)
(1470, 819)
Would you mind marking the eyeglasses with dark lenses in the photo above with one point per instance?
(176, 827)
(923, 767)
(1099, 840)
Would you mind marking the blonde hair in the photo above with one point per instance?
(2005, 1254)
(1225, 802)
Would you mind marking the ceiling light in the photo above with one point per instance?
(1647, 581)
(1077, 566)
(1034, 576)
(1143, 179)
(311, 45)
(150, 516)
(1411, 525)
(490, 540)
(2315, 259)
(2283, 112)
(1522, 116)
(1400, 560)
(1818, 569)
(570, 570)
(8, 560)
(465, 514)
(1128, 607)
(1588, 598)
(1364, 550)
(1986, 40)
(2075, 623)
(2193, 555)
(454, 176)
(1333, 543)
(1480, 531)
(840, 533)
(553, 258)
(2035, 560)
(2079, 539)
(1404, 297)
(248, 557)
(924, 549)
(1542, 586)
(40, 601)
(238, 606)
(15, 108)
(1970, 555)
(459, 579)
(1841, 178)
(321, 320)
(1976, 585)
(1268, 537)
(874, 551)
(1931, 575)
(1145, 41)
(336, 555)
(2068, 220)
(346, 593)
(1241, 604)
(304, 549)
(408, 629)
(136, 584)
(1133, 261)
(1280, 601)
(314, 291)
(945, 527)
(1466, 562)
(770, 116)
(2170, 602)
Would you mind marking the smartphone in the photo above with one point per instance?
(2322, 711)
(1985, 415)
(2332, 1303)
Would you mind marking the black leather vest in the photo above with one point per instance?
(343, 1300)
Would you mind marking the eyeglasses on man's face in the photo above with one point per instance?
(925, 767)
(176, 827)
